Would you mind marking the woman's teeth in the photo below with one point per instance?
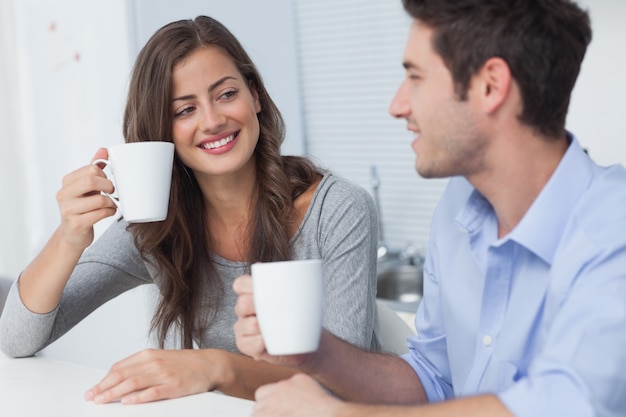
(218, 143)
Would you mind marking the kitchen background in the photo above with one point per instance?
(332, 66)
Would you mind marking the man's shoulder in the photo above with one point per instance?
(607, 189)
(601, 210)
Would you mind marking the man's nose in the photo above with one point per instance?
(400, 106)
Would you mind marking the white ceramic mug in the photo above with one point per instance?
(288, 297)
(142, 173)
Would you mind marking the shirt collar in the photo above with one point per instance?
(541, 227)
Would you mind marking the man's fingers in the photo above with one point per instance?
(243, 285)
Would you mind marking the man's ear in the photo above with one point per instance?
(493, 84)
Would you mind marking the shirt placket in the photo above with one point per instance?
(495, 300)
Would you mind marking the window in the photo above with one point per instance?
(350, 67)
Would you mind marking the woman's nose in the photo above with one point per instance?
(212, 118)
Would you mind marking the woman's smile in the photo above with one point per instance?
(216, 125)
(219, 146)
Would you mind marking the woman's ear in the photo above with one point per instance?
(494, 84)
(255, 95)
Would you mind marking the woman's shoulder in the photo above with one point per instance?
(337, 190)
(338, 207)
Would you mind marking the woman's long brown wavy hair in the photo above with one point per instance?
(180, 246)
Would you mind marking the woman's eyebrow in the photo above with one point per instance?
(211, 88)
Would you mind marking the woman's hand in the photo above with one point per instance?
(152, 375)
(82, 204)
(299, 396)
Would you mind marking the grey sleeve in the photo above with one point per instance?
(348, 237)
(109, 267)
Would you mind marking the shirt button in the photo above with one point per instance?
(487, 340)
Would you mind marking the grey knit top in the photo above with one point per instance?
(339, 227)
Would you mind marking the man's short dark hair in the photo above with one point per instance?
(542, 41)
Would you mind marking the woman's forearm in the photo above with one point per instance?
(43, 280)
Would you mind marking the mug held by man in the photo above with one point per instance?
(288, 297)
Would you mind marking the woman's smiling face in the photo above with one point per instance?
(215, 127)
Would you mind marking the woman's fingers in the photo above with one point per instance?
(81, 203)
(87, 180)
(101, 153)
(116, 383)
(153, 375)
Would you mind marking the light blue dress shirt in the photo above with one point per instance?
(537, 317)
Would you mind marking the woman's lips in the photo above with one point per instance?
(220, 146)
(218, 143)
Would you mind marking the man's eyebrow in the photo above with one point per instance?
(409, 65)
(211, 88)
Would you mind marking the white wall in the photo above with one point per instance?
(71, 73)
(66, 87)
(598, 105)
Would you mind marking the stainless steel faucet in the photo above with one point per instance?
(383, 249)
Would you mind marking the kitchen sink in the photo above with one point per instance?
(400, 284)
(399, 272)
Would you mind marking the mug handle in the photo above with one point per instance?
(107, 162)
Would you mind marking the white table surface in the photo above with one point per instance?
(41, 387)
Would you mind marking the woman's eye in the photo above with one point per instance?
(229, 94)
(184, 111)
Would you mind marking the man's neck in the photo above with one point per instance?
(519, 168)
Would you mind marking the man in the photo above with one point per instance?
(524, 308)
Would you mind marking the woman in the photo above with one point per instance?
(234, 201)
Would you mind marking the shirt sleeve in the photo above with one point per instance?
(109, 267)
(428, 355)
(428, 350)
(347, 240)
